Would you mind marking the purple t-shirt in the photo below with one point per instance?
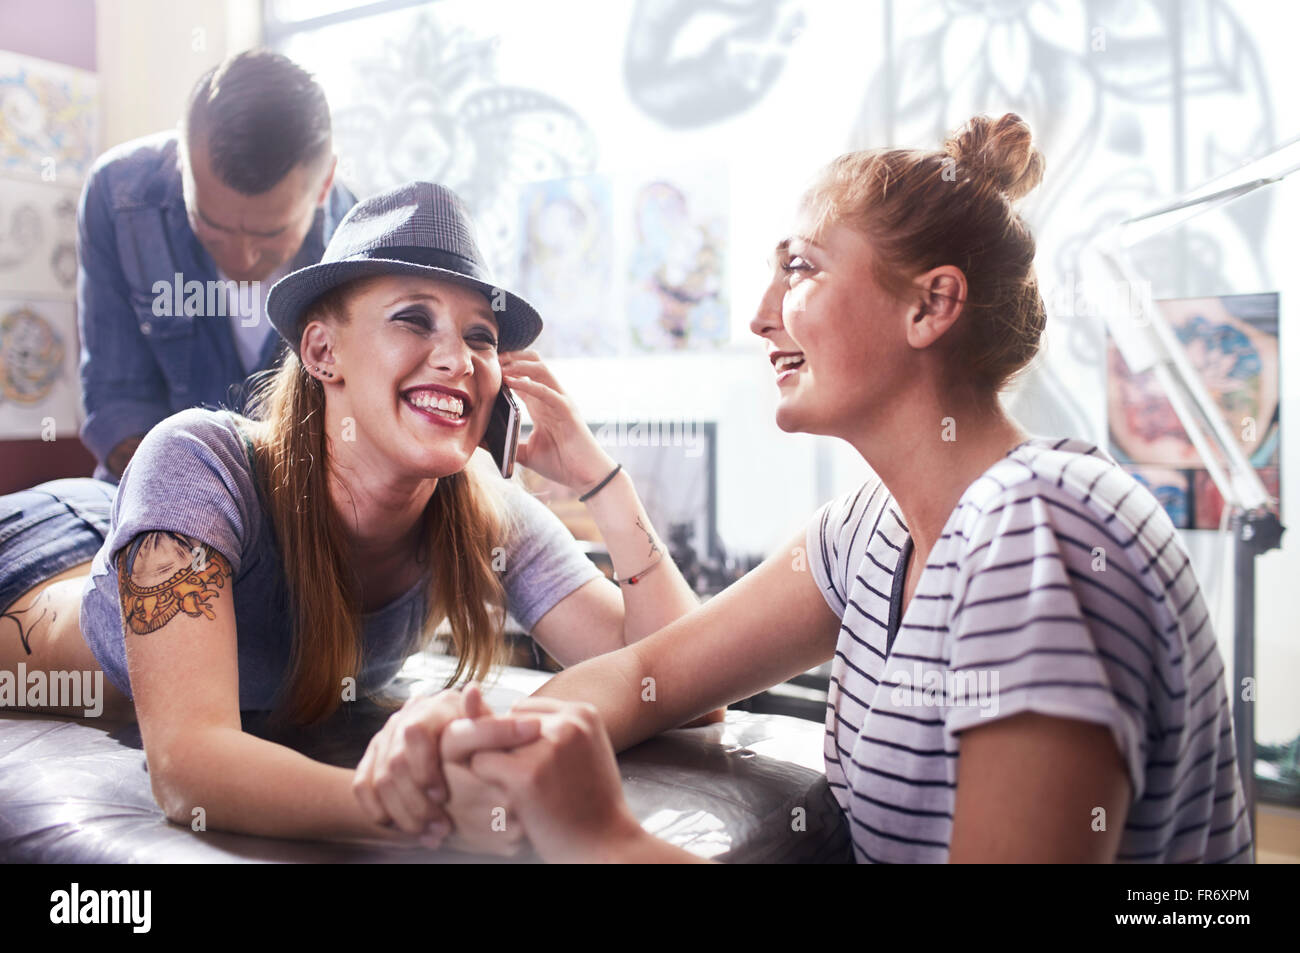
(193, 474)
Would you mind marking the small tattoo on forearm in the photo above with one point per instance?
(163, 574)
(650, 537)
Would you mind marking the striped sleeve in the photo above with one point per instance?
(1049, 617)
(832, 532)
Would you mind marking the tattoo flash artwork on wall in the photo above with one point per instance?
(689, 64)
(39, 394)
(48, 141)
(1232, 343)
(676, 297)
(566, 264)
(48, 119)
(38, 239)
(423, 101)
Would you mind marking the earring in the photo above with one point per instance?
(319, 370)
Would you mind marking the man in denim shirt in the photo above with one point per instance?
(180, 237)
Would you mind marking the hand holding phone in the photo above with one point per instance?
(502, 437)
(561, 446)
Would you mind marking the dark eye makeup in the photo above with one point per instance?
(420, 318)
(416, 316)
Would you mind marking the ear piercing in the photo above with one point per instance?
(319, 370)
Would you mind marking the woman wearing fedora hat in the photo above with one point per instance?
(1022, 662)
(290, 561)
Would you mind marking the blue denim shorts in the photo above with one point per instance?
(50, 528)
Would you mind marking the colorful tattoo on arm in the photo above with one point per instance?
(162, 574)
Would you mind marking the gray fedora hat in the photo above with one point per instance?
(415, 229)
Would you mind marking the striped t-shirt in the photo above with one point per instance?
(1058, 586)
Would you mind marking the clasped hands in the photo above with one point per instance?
(446, 769)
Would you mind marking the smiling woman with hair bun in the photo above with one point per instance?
(1022, 663)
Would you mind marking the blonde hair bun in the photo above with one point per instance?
(1000, 152)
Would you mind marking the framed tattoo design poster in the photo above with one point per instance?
(1232, 343)
(48, 120)
(566, 266)
(48, 134)
(38, 239)
(676, 296)
(39, 390)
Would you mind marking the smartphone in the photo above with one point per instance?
(502, 437)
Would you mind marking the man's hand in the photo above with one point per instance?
(121, 455)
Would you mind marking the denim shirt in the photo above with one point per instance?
(132, 231)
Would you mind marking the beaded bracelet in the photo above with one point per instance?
(634, 579)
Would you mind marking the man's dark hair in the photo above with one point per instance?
(256, 116)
